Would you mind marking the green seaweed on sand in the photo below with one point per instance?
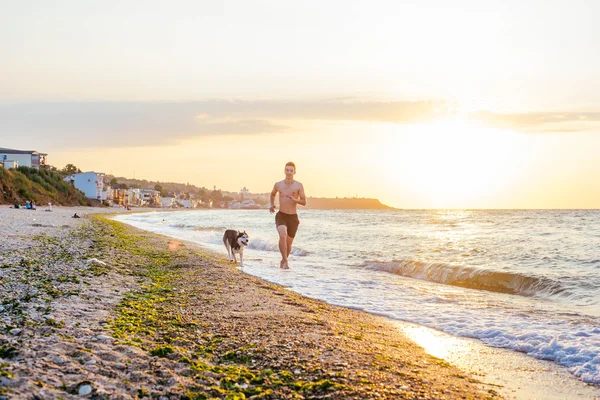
(150, 318)
(170, 316)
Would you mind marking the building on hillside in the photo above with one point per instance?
(133, 197)
(9, 164)
(23, 158)
(91, 184)
(184, 203)
(118, 196)
(167, 202)
(150, 198)
(126, 197)
(260, 198)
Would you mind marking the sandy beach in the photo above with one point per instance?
(91, 307)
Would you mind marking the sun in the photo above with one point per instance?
(454, 163)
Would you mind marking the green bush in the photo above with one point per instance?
(41, 186)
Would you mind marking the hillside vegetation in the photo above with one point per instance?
(166, 186)
(41, 186)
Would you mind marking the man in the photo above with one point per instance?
(291, 193)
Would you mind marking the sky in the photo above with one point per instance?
(422, 104)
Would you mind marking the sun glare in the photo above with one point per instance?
(452, 163)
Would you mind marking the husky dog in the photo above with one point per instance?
(235, 242)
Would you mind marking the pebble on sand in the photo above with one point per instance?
(95, 261)
(84, 390)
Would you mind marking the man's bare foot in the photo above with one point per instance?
(281, 263)
(285, 265)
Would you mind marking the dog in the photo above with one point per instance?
(235, 242)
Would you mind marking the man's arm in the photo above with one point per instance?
(272, 198)
(302, 201)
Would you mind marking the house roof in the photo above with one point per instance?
(14, 151)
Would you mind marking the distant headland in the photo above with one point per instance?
(345, 203)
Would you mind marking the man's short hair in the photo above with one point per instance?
(291, 164)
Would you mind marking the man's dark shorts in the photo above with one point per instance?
(291, 221)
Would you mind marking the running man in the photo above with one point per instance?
(291, 193)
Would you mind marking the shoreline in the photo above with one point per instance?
(185, 322)
(144, 320)
(517, 374)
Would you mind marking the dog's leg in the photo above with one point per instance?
(241, 259)
(228, 247)
(234, 259)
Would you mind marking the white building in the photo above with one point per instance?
(90, 183)
(150, 197)
(184, 203)
(23, 158)
(167, 202)
(10, 164)
(133, 197)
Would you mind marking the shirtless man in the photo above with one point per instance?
(291, 193)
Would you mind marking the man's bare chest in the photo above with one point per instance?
(292, 190)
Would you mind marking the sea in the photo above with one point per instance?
(523, 280)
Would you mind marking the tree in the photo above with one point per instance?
(163, 192)
(70, 169)
(216, 195)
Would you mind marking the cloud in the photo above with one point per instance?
(539, 121)
(121, 124)
(335, 109)
(117, 124)
(109, 124)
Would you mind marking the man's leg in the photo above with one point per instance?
(289, 240)
(282, 230)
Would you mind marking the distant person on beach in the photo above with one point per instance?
(291, 193)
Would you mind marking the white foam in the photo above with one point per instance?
(267, 245)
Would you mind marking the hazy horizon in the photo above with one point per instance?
(422, 105)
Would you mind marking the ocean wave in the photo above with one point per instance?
(210, 229)
(263, 245)
(474, 278)
(182, 225)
